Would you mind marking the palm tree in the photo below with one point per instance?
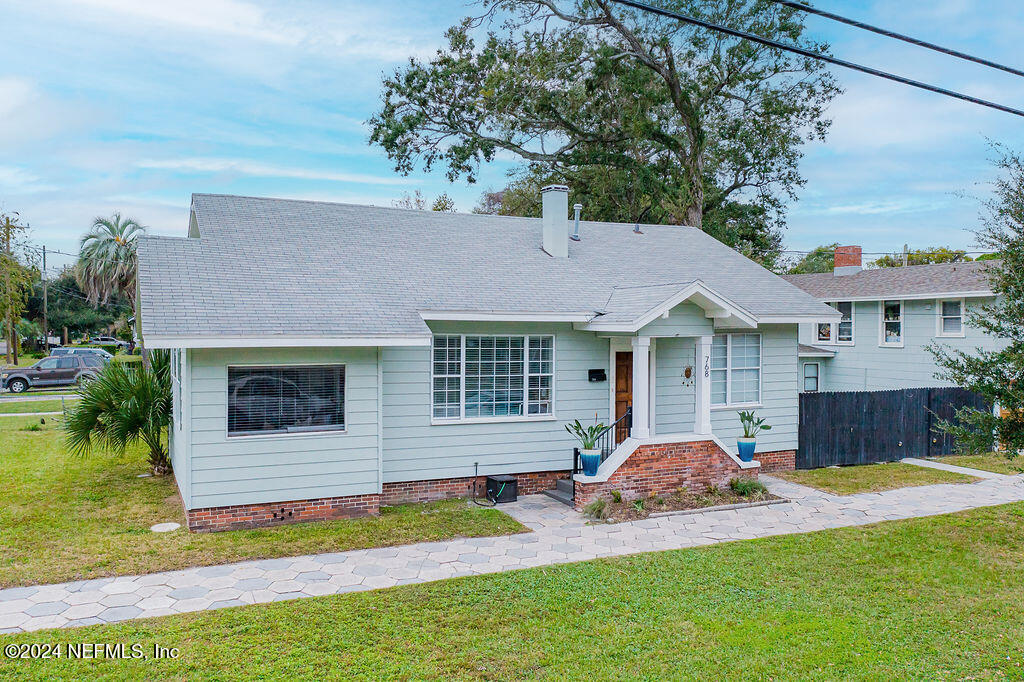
(125, 404)
(107, 259)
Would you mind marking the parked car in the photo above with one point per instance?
(108, 341)
(82, 351)
(61, 370)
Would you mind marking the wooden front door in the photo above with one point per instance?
(623, 391)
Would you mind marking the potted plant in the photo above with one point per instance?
(752, 425)
(590, 454)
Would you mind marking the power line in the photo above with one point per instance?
(898, 36)
(817, 55)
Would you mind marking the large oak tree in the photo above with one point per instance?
(672, 123)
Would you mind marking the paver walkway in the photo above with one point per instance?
(977, 473)
(559, 535)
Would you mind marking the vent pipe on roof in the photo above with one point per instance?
(555, 212)
(576, 222)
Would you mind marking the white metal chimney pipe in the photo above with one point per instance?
(576, 208)
(555, 211)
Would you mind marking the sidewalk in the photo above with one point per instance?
(559, 535)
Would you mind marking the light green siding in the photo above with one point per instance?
(282, 467)
(674, 395)
(416, 449)
(686, 319)
(779, 398)
(867, 366)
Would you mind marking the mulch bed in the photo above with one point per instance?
(682, 499)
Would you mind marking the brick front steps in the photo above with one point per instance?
(660, 467)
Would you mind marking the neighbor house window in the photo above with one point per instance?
(481, 377)
(951, 317)
(840, 332)
(277, 399)
(736, 369)
(811, 373)
(892, 323)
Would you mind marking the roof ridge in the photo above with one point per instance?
(459, 215)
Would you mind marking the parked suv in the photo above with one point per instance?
(61, 370)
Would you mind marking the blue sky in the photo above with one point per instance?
(128, 105)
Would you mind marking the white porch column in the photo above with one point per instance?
(641, 387)
(702, 404)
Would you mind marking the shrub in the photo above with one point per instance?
(747, 487)
(638, 505)
(125, 404)
(596, 508)
(616, 497)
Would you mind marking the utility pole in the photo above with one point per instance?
(46, 321)
(7, 226)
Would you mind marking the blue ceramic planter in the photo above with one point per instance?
(746, 449)
(590, 462)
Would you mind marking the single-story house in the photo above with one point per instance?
(889, 318)
(329, 358)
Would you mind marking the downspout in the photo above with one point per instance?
(380, 420)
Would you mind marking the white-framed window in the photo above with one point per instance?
(492, 377)
(890, 328)
(285, 399)
(812, 374)
(841, 332)
(950, 317)
(735, 370)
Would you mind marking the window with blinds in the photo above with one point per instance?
(296, 399)
(479, 377)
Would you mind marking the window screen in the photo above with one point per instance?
(952, 318)
(811, 377)
(735, 369)
(265, 400)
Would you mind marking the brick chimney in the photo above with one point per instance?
(848, 260)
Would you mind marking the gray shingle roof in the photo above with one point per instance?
(915, 280)
(274, 267)
(805, 350)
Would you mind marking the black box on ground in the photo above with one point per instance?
(502, 489)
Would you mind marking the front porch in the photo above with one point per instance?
(662, 437)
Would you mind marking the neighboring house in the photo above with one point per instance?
(329, 358)
(889, 317)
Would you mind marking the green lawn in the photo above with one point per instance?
(66, 518)
(990, 461)
(19, 407)
(931, 598)
(870, 478)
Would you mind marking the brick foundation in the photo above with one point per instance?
(662, 468)
(445, 488)
(780, 460)
(237, 517)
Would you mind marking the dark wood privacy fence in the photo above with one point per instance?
(862, 427)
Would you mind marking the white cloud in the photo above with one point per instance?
(14, 179)
(265, 170)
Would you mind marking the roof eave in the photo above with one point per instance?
(158, 341)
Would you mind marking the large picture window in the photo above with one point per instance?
(483, 377)
(268, 400)
(736, 369)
